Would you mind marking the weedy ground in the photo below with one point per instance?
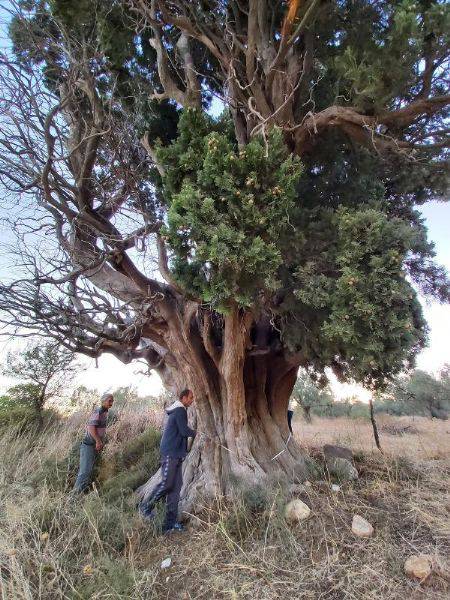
(53, 546)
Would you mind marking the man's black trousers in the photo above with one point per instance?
(170, 488)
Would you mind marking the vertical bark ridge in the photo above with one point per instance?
(241, 407)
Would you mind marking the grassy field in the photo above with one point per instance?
(414, 437)
(53, 547)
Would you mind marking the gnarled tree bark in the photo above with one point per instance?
(241, 394)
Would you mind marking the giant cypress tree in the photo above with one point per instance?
(228, 251)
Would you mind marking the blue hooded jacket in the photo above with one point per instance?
(176, 432)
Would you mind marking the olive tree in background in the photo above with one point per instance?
(44, 369)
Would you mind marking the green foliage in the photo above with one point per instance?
(248, 195)
(19, 417)
(59, 474)
(363, 313)
(377, 57)
(22, 394)
(309, 394)
(130, 466)
(350, 408)
(19, 409)
(45, 368)
(418, 393)
(330, 248)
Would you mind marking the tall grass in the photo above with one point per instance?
(54, 545)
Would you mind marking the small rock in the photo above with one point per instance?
(419, 566)
(361, 527)
(296, 511)
(166, 563)
(331, 451)
(335, 487)
(339, 462)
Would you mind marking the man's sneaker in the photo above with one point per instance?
(176, 527)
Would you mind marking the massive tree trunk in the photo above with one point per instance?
(241, 395)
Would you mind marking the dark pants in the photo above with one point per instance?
(289, 418)
(88, 455)
(169, 487)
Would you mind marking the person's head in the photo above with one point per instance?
(107, 400)
(186, 397)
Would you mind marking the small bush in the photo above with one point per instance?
(251, 509)
(109, 579)
(58, 475)
(128, 467)
(16, 416)
(25, 419)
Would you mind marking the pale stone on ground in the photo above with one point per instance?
(339, 462)
(166, 563)
(361, 527)
(419, 566)
(297, 511)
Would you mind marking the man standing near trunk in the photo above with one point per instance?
(92, 444)
(173, 450)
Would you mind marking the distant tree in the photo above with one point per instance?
(423, 393)
(444, 376)
(308, 394)
(22, 394)
(124, 395)
(45, 370)
(83, 397)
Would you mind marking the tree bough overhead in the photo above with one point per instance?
(226, 251)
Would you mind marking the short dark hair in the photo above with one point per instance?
(184, 393)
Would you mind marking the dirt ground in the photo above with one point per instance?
(422, 438)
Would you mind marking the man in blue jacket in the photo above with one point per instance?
(173, 450)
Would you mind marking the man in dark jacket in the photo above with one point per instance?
(173, 450)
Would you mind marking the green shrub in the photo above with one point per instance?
(16, 416)
(117, 475)
(109, 579)
(59, 475)
(25, 419)
(252, 508)
(360, 411)
(130, 466)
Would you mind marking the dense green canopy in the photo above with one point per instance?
(307, 218)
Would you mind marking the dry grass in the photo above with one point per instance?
(54, 548)
(431, 442)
